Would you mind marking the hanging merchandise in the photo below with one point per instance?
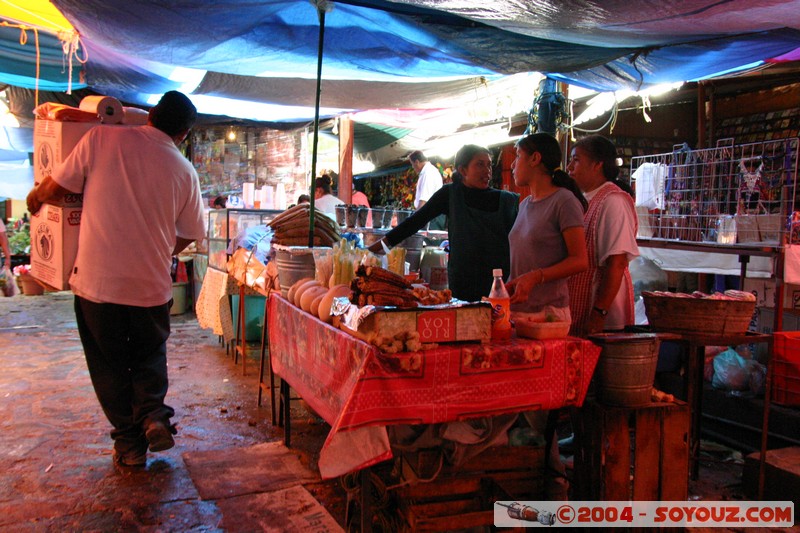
(751, 188)
(731, 194)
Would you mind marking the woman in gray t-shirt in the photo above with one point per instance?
(547, 241)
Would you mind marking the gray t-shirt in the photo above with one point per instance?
(536, 242)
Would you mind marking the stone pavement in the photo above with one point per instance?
(56, 471)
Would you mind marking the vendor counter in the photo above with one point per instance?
(359, 390)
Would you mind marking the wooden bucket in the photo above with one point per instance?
(627, 368)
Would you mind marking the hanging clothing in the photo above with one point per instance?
(650, 179)
(610, 226)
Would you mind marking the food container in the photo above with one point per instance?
(377, 217)
(698, 316)
(341, 214)
(541, 330)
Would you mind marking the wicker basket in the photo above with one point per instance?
(698, 316)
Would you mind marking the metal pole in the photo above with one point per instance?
(320, 46)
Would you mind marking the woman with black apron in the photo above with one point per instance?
(479, 219)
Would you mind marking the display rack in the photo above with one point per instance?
(225, 224)
(730, 195)
(731, 199)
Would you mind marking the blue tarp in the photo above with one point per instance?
(134, 45)
(592, 43)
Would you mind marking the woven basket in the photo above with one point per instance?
(699, 316)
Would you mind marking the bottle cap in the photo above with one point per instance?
(497, 272)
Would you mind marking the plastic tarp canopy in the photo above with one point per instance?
(266, 51)
(413, 40)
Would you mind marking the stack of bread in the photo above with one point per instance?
(291, 227)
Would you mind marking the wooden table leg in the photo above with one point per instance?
(241, 342)
(762, 457)
(366, 500)
(286, 413)
(694, 394)
(262, 355)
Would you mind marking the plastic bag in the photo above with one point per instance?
(735, 373)
(730, 372)
(8, 284)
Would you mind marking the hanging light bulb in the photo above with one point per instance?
(231, 135)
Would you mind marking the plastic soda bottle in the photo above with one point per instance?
(501, 307)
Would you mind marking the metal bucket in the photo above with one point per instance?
(413, 246)
(294, 264)
(627, 368)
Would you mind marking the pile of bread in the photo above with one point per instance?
(313, 297)
(291, 227)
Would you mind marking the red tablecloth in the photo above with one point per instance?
(357, 389)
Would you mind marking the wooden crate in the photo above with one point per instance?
(463, 497)
(782, 475)
(639, 454)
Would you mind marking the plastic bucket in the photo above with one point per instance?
(627, 368)
(178, 298)
(294, 264)
(253, 315)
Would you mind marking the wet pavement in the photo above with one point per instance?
(56, 471)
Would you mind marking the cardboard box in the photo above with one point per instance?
(465, 323)
(54, 244)
(764, 290)
(52, 143)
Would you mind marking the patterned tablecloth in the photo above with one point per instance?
(359, 390)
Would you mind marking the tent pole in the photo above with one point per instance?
(321, 13)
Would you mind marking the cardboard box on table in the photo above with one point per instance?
(471, 322)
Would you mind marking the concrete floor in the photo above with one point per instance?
(56, 472)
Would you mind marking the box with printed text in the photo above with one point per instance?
(54, 244)
(52, 143)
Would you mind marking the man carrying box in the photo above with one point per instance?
(141, 205)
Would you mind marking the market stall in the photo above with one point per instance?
(359, 390)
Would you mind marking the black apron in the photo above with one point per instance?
(478, 243)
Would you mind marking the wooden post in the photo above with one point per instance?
(701, 115)
(345, 192)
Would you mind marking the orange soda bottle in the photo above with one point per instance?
(501, 307)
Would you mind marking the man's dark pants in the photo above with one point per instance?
(126, 352)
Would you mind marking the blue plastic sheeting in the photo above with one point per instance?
(601, 44)
(687, 62)
(280, 38)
